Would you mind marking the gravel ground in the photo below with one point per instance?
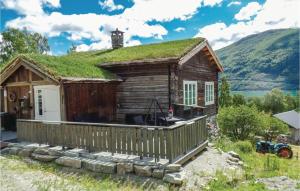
(280, 183)
(201, 170)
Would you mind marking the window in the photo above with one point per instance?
(40, 102)
(190, 92)
(209, 93)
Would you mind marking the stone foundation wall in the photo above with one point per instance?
(101, 162)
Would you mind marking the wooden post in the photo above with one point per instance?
(5, 99)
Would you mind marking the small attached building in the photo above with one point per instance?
(114, 85)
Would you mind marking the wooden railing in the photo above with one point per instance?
(145, 141)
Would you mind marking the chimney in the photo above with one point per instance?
(117, 39)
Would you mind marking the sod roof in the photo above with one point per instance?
(84, 64)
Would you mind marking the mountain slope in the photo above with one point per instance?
(263, 61)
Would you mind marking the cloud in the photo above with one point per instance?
(29, 7)
(248, 11)
(135, 21)
(179, 29)
(220, 35)
(110, 5)
(211, 2)
(234, 3)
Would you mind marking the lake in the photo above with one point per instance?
(260, 93)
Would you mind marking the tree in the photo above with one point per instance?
(238, 99)
(291, 102)
(239, 123)
(256, 102)
(72, 49)
(225, 98)
(15, 42)
(274, 101)
(271, 127)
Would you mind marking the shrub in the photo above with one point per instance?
(244, 146)
(238, 99)
(274, 101)
(239, 123)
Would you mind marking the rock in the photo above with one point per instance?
(41, 151)
(35, 146)
(124, 158)
(56, 151)
(88, 155)
(174, 178)
(123, 168)
(173, 168)
(234, 154)
(99, 166)
(43, 158)
(143, 170)
(158, 173)
(14, 150)
(231, 163)
(103, 156)
(25, 152)
(149, 161)
(75, 152)
(13, 145)
(5, 151)
(241, 163)
(73, 162)
(233, 159)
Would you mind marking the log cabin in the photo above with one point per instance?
(114, 85)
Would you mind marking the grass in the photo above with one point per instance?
(83, 64)
(256, 166)
(69, 179)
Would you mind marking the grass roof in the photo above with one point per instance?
(84, 64)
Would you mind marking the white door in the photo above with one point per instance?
(47, 103)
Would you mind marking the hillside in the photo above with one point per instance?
(263, 61)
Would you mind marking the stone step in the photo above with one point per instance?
(99, 166)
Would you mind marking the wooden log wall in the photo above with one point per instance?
(145, 141)
(199, 68)
(141, 85)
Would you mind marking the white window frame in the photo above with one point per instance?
(209, 94)
(195, 97)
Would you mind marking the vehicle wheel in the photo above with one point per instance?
(285, 153)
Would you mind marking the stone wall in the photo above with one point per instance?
(100, 162)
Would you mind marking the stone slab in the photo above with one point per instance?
(158, 173)
(99, 166)
(143, 170)
(124, 167)
(73, 162)
(75, 152)
(43, 158)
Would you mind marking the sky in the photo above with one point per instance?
(87, 23)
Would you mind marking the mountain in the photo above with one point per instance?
(263, 61)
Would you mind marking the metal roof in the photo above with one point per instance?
(292, 118)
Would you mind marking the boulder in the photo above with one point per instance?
(174, 178)
(77, 152)
(35, 146)
(43, 158)
(233, 159)
(123, 158)
(5, 151)
(14, 150)
(234, 154)
(173, 168)
(25, 152)
(123, 168)
(41, 151)
(143, 170)
(73, 162)
(99, 166)
(56, 151)
(158, 173)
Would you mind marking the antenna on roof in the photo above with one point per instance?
(117, 38)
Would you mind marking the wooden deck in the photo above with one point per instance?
(174, 142)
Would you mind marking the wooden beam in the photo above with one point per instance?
(34, 83)
(5, 99)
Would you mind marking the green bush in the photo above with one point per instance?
(244, 146)
(238, 99)
(239, 123)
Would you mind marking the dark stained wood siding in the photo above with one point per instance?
(90, 102)
(199, 69)
(15, 106)
(141, 84)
